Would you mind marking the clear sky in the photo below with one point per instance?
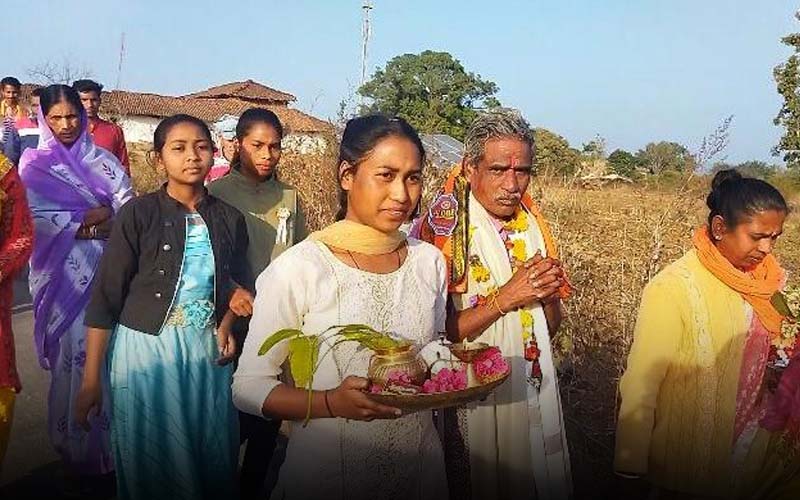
(631, 71)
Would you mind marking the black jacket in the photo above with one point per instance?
(140, 268)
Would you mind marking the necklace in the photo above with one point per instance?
(397, 251)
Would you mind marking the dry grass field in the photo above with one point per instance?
(612, 239)
(313, 174)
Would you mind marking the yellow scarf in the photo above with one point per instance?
(5, 167)
(757, 287)
(355, 237)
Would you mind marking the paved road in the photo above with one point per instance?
(30, 460)
(31, 468)
(22, 296)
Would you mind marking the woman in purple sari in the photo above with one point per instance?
(74, 189)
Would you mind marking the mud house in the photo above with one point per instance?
(138, 113)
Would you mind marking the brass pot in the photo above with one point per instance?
(403, 358)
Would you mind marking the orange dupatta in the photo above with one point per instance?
(454, 243)
(756, 287)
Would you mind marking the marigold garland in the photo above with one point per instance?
(519, 224)
(519, 251)
(478, 271)
(514, 232)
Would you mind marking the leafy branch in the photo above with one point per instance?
(304, 357)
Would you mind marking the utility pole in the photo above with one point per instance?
(366, 32)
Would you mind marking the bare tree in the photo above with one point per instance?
(319, 95)
(50, 72)
(348, 108)
(712, 145)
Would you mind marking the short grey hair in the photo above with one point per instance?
(492, 124)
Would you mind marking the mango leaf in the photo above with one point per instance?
(276, 337)
(304, 349)
(778, 301)
(369, 337)
(373, 342)
(355, 328)
(303, 352)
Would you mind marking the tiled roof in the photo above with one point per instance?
(208, 109)
(125, 103)
(247, 90)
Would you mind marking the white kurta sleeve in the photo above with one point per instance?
(280, 302)
(440, 306)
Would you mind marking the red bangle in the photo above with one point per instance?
(327, 404)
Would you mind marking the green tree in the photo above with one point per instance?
(624, 163)
(431, 90)
(554, 156)
(596, 148)
(664, 156)
(758, 169)
(787, 78)
(721, 165)
(752, 168)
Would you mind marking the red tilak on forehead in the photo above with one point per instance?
(514, 161)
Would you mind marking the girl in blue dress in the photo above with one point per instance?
(159, 315)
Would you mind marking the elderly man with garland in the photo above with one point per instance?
(506, 286)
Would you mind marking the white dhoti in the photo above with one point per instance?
(514, 441)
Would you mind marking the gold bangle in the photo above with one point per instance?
(493, 302)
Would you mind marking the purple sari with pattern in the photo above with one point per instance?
(62, 184)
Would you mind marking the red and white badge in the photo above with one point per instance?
(443, 215)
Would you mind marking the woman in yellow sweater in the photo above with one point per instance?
(693, 391)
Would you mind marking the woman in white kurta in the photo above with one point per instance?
(359, 270)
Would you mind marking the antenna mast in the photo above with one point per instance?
(121, 57)
(366, 32)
